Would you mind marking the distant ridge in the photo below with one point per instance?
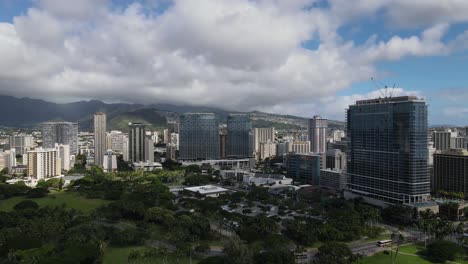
(30, 113)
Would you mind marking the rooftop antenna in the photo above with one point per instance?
(377, 86)
(385, 92)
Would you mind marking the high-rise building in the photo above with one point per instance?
(109, 162)
(21, 143)
(63, 152)
(100, 147)
(442, 139)
(338, 135)
(267, 150)
(65, 133)
(457, 143)
(335, 160)
(198, 136)
(299, 147)
(431, 151)
(388, 150)
(117, 141)
(318, 134)
(238, 129)
(171, 152)
(304, 168)
(222, 145)
(263, 135)
(167, 136)
(43, 163)
(451, 171)
(149, 150)
(7, 159)
(136, 142)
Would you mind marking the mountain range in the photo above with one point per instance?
(30, 113)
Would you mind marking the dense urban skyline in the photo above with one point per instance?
(319, 59)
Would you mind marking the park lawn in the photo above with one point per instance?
(71, 200)
(119, 255)
(412, 249)
(381, 258)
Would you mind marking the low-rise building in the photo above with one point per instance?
(332, 179)
(304, 168)
(206, 190)
(147, 166)
(264, 179)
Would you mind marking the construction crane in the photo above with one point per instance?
(385, 93)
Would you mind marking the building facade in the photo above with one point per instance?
(198, 136)
(318, 134)
(100, 142)
(63, 152)
(388, 151)
(43, 164)
(238, 129)
(21, 143)
(65, 133)
(304, 168)
(335, 160)
(262, 135)
(267, 150)
(451, 171)
(136, 142)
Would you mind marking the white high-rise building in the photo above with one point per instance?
(155, 136)
(43, 163)
(338, 135)
(63, 152)
(263, 135)
(443, 139)
(166, 136)
(149, 150)
(299, 147)
(318, 134)
(267, 150)
(109, 162)
(8, 159)
(99, 138)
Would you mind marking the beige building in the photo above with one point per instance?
(263, 135)
(100, 142)
(43, 163)
(267, 150)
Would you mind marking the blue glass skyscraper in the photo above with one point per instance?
(199, 136)
(238, 136)
(388, 149)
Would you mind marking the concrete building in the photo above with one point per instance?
(388, 150)
(149, 150)
(171, 152)
(63, 152)
(431, 150)
(262, 135)
(267, 150)
(8, 159)
(238, 129)
(304, 168)
(109, 162)
(443, 139)
(21, 143)
(65, 133)
(43, 164)
(218, 164)
(147, 166)
(206, 191)
(198, 136)
(451, 171)
(318, 134)
(457, 143)
(335, 160)
(166, 135)
(332, 179)
(222, 146)
(338, 135)
(300, 147)
(100, 141)
(264, 179)
(117, 141)
(136, 142)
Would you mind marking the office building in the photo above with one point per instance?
(99, 138)
(262, 135)
(335, 160)
(198, 136)
(21, 143)
(65, 133)
(63, 152)
(318, 134)
(109, 162)
(136, 142)
(43, 164)
(451, 171)
(332, 179)
(457, 143)
(171, 152)
(267, 150)
(303, 168)
(238, 129)
(167, 136)
(338, 135)
(388, 150)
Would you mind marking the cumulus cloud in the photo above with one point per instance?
(238, 55)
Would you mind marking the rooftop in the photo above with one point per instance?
(206, 189)
(387, 100)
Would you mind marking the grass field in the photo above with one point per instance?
(71, 200)
(119, 255)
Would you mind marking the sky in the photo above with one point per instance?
(299, 57)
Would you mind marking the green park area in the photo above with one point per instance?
(120, 255)
(57, 198)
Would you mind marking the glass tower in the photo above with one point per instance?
(238, 136)
(388, 149)
(198, 136)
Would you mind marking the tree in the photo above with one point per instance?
(26, 204)
(459, 232)
(335, 253)
(237, 252)
(425, 222)
(192, 169)
(440, 251)
(37, 193)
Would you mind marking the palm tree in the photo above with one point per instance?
(399, 239)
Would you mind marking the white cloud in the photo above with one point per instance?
(239, 55)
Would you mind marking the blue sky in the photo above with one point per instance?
(293, 57)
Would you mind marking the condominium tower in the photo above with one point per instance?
(318, 134)
(65, 133)
(388, 150)
(100, 147)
